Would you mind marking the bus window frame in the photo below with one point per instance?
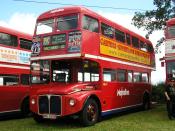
(71, 14)
(10, 76)
(11, 35)
(147, 74)
(129, 71)
(119, 32)
(45, 19)
(129, 43)
(81, 21)
(111, 28)
(136, 38)
(125, 75)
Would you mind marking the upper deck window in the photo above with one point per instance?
(135, 42)
(45, 26)
(107, 30)
(120, 36)
(150, 48)
(25, 44)
(128, 39)
(67, 22)
(9, 40)
(143, 46)
(171, 31)
(90, 24)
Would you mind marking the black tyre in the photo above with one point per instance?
(38, 118)
(146, 102)
(90, 113)
(25, 109)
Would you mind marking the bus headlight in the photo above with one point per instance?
(33, 101)
(72, 102)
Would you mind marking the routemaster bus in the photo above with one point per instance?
(169, 58)
(15, 51)
(85, 65)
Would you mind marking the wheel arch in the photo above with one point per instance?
(96, 98)
(25, 101)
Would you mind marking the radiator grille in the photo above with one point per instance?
(50, 104)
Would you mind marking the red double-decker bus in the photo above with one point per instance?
(169, 58)
(14, 71)
(85, 65)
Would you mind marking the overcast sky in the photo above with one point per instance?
(22, 16)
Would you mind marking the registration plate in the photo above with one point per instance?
(49, 116)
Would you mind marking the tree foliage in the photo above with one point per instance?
(155, 19)
(158, 93)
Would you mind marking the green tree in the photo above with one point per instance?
(155, 19)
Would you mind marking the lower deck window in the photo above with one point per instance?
(109, 75)
(145, 77)
(130, 76)
(171, 70)
(25, 79)
(121, 75)
(137, 77)
(8, 80)
(75, 71)
(89, 72)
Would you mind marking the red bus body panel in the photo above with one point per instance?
(12, 96)
(106, 92)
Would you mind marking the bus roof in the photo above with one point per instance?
(15, 32)
(171, 22)
(77, 9)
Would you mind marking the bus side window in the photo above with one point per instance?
(107, 30)
(135, 42)
(145, 77)
(130, 76)
(9, 40)
(109, 75)
(90, 24)
(128, 39)
(137, 77)
(120, 36)
(8, 80)
(25, 79)
(25, 44)
(143, 46)
(150, 48)
(121, 75)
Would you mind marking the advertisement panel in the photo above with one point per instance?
(115, 49)
(14, 56)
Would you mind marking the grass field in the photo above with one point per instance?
(152, 120)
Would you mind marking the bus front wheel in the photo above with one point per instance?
(90, 113)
